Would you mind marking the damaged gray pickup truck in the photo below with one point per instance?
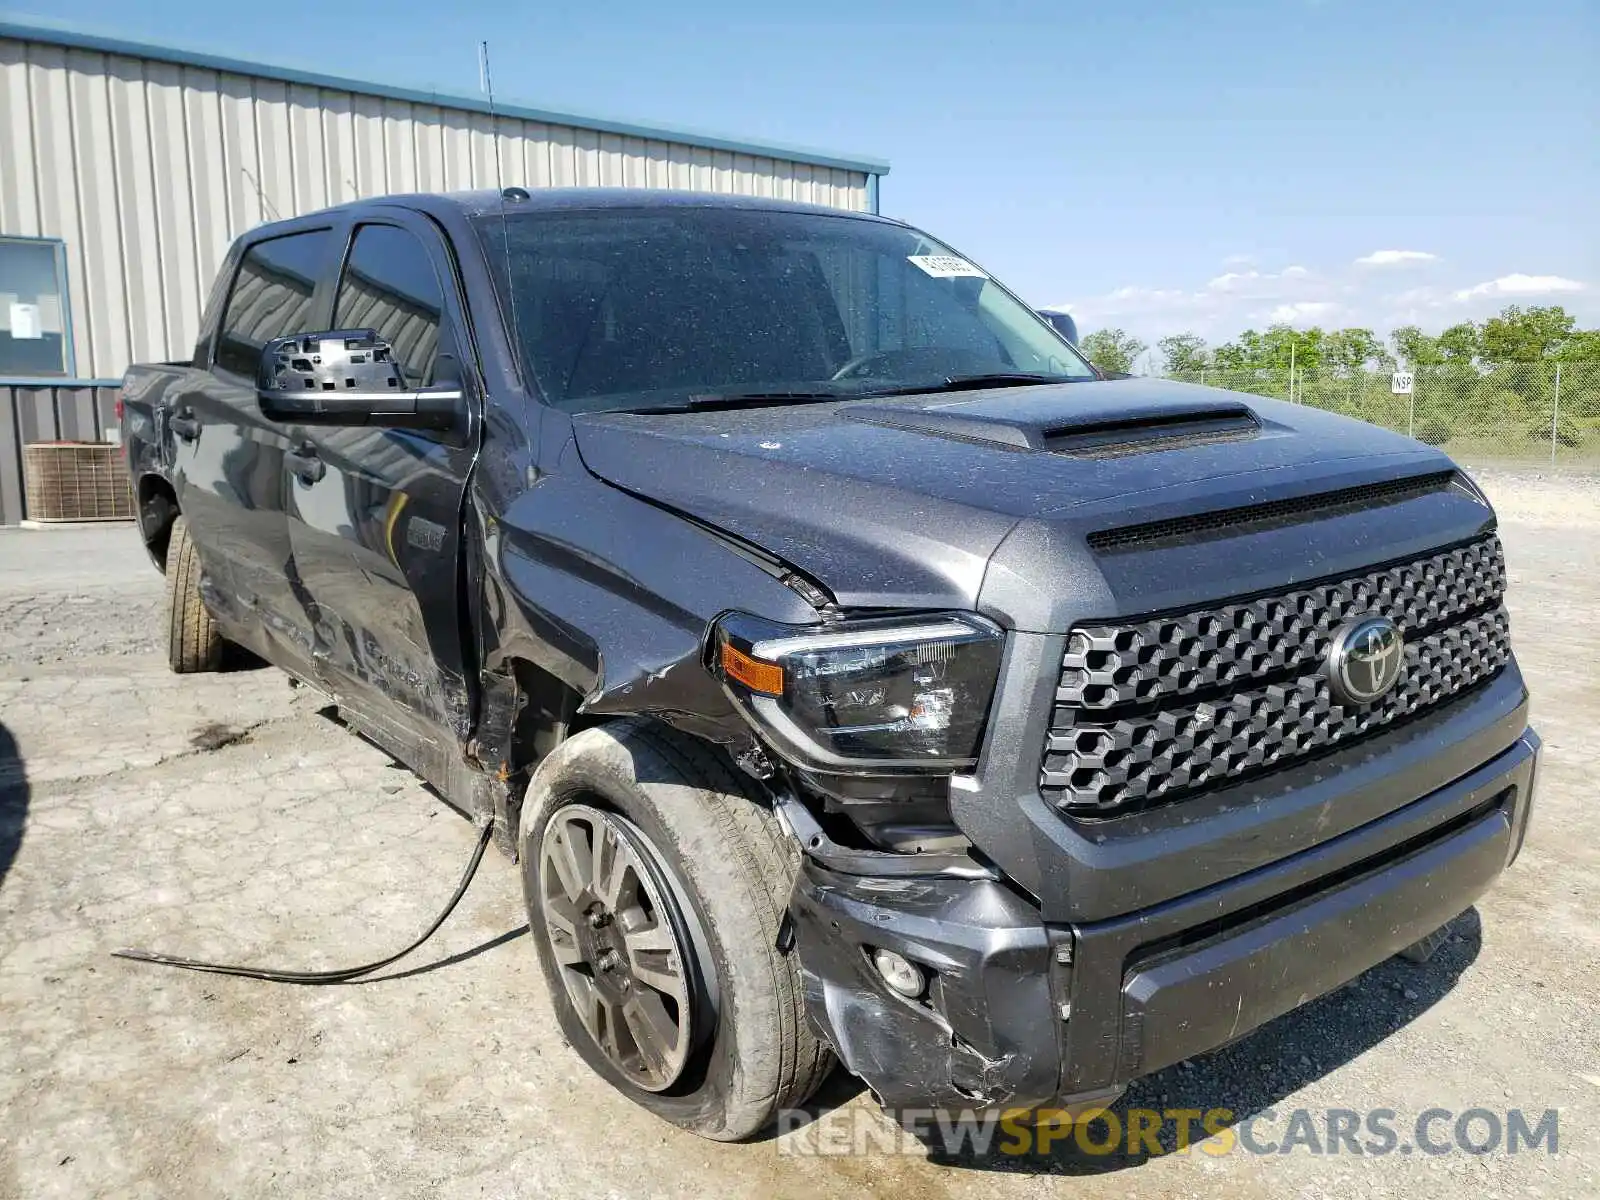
(851, 669)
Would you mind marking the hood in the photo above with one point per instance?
(900, 503)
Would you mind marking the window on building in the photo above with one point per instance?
(33, 308)
(271, 297)
(389, 284)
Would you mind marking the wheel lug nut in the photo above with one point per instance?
(608, 960)
(599, 919)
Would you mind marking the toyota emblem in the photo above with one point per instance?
(1365, 659)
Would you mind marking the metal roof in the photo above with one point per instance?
(77, 37)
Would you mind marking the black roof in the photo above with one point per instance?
(487, 200)
(448, 208)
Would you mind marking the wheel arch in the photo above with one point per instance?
(157, 507)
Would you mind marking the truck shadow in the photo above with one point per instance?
(1251, 1077)
(237, 658)
(13, 800)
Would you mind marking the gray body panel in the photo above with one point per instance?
(590, 555)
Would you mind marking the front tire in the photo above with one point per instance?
(655, 887)
(194, 642)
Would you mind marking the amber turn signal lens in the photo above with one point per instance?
(758, 676)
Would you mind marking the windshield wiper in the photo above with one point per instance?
(727, 400)
(972, 383)
(774, 396)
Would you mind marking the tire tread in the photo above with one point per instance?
(194, 644)
(767, 854)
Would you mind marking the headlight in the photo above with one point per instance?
(873, 696)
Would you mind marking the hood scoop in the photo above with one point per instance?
(1089, 431)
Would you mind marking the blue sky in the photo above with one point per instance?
(1154, 166)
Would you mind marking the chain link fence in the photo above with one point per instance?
(1520, 412)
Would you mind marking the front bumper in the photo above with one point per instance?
(1021, 1012)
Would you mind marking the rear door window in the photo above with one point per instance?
(271, 297)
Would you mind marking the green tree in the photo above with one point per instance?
(1184, 352)
(1461, 343)
(1415, 348)
(1277, 348)
(1583, 346)
(1301, 348)
(1244, 352)
(1351, 349)
(1517, 335)
(1112, 349)
(1525, 335)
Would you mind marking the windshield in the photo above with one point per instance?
(630, 308)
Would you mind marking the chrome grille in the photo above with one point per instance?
(1150, 710)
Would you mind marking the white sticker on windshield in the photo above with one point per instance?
(946, 266)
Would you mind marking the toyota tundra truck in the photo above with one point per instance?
(852, 671)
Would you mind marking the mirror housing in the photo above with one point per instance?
(1061, 322)
(347, 377)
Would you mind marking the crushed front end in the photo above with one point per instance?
(1177, 822)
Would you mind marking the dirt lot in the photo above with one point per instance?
(224, 817)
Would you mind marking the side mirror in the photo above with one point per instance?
(347, 377)
(1062, 323)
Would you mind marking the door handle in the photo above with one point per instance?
(305, 464)
(185, 424)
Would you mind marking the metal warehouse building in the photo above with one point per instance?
(127, 169)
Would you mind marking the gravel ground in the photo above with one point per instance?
(224, 816)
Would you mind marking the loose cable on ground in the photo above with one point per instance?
(343, 975)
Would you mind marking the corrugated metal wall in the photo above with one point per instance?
(46, 414)
(147, 167)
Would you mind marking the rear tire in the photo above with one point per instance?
(193, 641)
(723, 869)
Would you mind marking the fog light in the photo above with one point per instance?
(899, 973)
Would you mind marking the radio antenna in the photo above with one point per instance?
(486, 81)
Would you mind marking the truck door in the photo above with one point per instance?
(228, 458)
(374, 514)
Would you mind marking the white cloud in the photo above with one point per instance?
(1521, 285)
(1259, 285)
(1142, 294)
(1418, 295)
(1230, 280)
(1394, 258)
(1255, 296)
(1131, 300)
(1221, 307)
(1302, 310)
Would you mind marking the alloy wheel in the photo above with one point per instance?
(617, 943)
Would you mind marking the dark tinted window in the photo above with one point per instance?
(271, 297)
(634, 308)
(389, 285)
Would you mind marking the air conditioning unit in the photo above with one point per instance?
(75, 481)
